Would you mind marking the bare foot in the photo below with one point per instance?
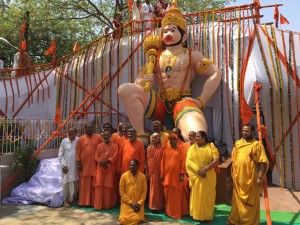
(67, 204)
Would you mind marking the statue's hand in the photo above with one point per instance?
(148, 78)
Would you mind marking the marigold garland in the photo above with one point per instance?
(282, 103)
(292, 59)
(240, 87)
(271, 90)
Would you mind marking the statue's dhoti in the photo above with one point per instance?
(168, 109)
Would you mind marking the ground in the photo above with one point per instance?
(284, 200)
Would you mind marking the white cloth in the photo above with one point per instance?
(146, 15)
(67, 157)
(1, 64)
(70, 190)
(136, 16)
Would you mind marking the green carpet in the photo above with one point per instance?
(220, 216)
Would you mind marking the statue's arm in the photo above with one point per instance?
(205, 67)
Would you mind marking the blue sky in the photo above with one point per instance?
(290, 10)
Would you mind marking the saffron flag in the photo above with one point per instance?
(23, 28)
(246, 112)
(52, 48)
(57, 116)
(24, 45)
(283, 20)
(76, 47)
(129, 4)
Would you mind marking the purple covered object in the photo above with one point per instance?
(45, 186)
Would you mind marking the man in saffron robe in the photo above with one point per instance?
(157, 129)
(154, 156)
(133, 191)
(132, 149)
(85, 158)
(105, 180)
(117, 136)
(249, 166)
(172, 176)
(201, 160)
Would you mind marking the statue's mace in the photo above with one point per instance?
(152, 45)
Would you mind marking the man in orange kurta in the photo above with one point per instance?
(133, 190)
(122, 140)
(154, 156)
(132, 149)
(115, 138)
(85, 158)
(172, 176)
(105, 180)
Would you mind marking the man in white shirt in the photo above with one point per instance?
(67, 160)
(147, 14)
(136, 14)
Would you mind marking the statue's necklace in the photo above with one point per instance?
(169, 60)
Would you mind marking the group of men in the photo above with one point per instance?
(147, 12)
(114, 167)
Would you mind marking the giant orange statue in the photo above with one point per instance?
(175, 69)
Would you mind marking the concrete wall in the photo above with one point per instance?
(7, 172)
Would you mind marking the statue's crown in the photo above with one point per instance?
(174, 16)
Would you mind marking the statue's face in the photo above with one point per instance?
(171, 35)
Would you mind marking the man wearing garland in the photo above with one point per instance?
(175, 70)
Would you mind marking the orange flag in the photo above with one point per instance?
(23, 28)
(57, 116)
(246, 112)
(24, 45)
(52, 48)
(76, 47)
(283, 20)
(129, 4)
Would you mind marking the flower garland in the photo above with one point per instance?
(292, 59)
(226, 54)
(277, 101)
(118, 84)
(231, 64)
(213, 37)
(200, 40)
(103, 71)
(282, 103)
(110, 63)
(221, 65)
(240, 87)
(271, 90)
(205, 36)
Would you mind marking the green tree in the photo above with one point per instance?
(68, 21)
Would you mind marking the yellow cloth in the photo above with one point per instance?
(245, 200)
(203, 189)
(164, 138)
(132, 189)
